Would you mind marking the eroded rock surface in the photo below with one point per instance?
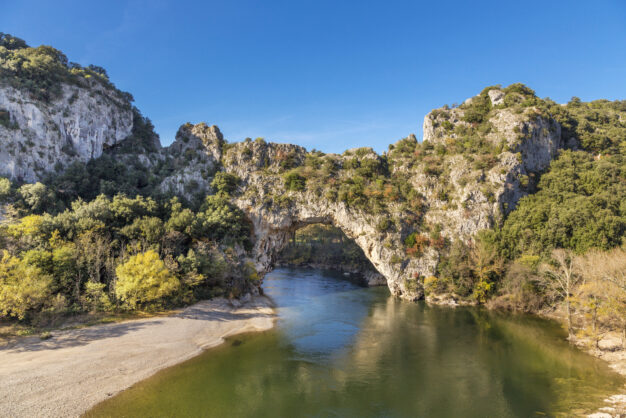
(40, 137)
(463, 178)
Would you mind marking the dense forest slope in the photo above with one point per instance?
(99, 216)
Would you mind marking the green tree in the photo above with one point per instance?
(225, 183)
(37, 197)
(5, 189)
(294, 181)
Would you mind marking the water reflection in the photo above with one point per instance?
(341, 350)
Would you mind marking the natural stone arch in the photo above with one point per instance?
(276, 212)
(273, 229)
(324, 246)
(452, 194)
(257, 164)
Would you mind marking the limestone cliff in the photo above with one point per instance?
(38, 137)
(475, 189)
(401, 208)
(195, 156)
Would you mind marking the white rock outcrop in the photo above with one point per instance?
(196, 152)
(77, 126)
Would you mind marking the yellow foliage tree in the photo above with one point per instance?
(431, 284)
(606, 272)
(22, 287)
(144, 278)
(563, 277)
(29, 226)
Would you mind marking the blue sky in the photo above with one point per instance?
(329, 75)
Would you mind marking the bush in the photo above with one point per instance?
(41, 70)
(431, 285)
(225, 183)
(478, 109)
(23, 287)
(96, 299)
(383, 225)
(5, 120)
(37, 197)
(144, 279)
(519, 88)
(415, 244)
(294, 181)
(5, 189)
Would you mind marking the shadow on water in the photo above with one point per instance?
(342, 350)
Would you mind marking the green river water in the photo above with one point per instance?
(339, 350)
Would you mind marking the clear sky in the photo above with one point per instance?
(329, 75)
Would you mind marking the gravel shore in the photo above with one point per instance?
(69, 373)
(610, 349)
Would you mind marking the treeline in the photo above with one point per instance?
(117, 253)
(590, 287)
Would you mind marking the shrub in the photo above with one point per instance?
(5, 120)
(431, 284)
(5, 189)
(294, 181)
(23, 287)
(96, 299)
(520, 89)
(225, 183)
(383, 225)
(415, 244)
(144, 279)
(477, 110)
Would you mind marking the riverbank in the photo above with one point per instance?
(70, 372)
(609, 349)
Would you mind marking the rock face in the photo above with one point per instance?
(276, 213)
(273, 227)
(77, 126)
(476, 193)
(197, 151)
(479, 192)
(463, 178)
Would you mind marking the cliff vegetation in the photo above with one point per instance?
(509, 200)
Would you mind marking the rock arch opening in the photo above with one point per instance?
(324, 246)
(274, 226)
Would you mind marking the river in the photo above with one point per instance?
(340, 350)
